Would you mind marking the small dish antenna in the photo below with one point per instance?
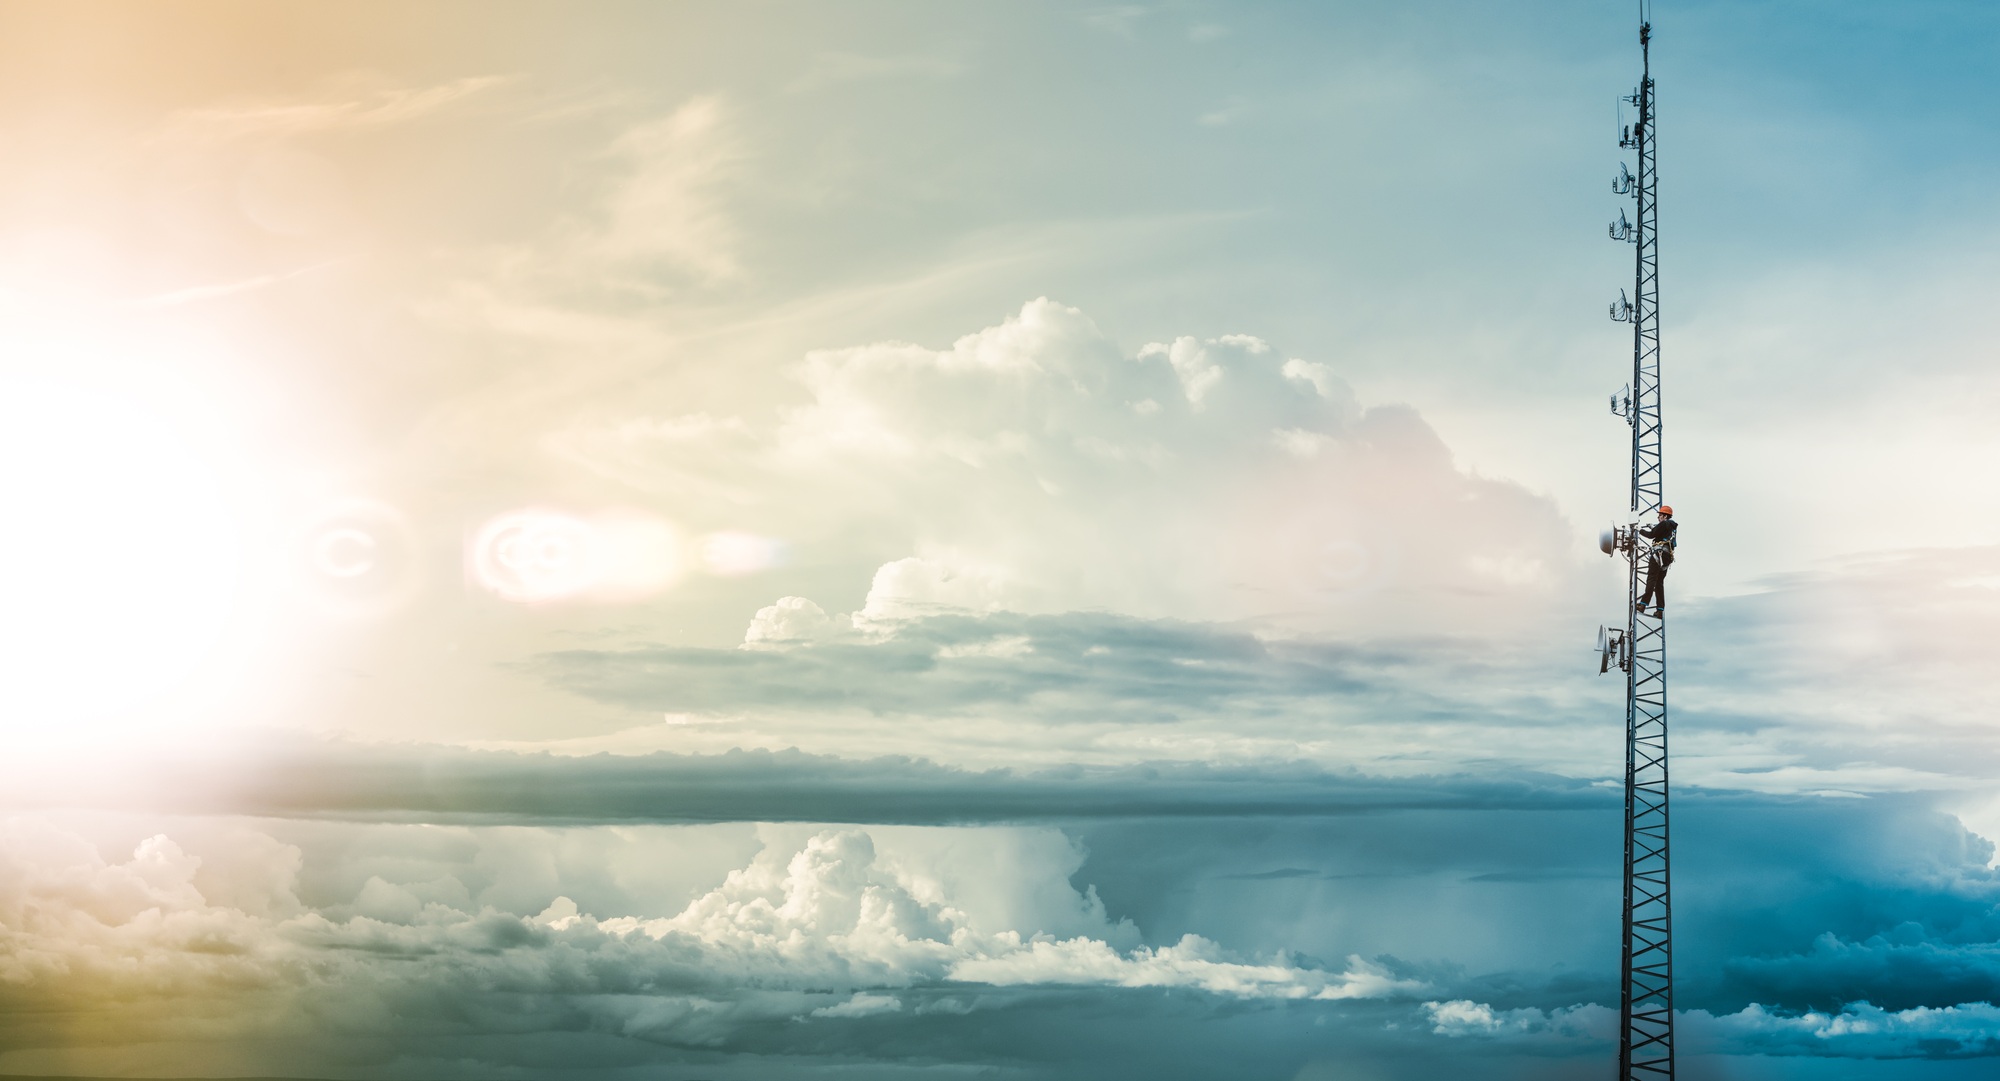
(1622, 310)
(1622, 229)
(1611, 649)
(1621, 402)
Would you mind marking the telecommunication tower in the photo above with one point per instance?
(1646, 993)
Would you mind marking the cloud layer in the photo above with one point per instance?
(821, 928)
(373, 944)
(1037, 466)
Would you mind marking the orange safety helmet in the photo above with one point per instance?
(1666, 511)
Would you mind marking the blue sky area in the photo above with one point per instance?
(1010, 541)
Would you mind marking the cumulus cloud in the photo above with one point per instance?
(1463, 1017)
(821, 926)
(1907, 964)
(1858, 1030)
(1037, 465)
(1864, 678)
(72, 923)
(791, 620)
(706, 937)
(918, 586)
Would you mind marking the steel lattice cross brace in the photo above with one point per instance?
(1647, 1041)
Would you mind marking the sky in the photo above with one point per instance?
(1025, 541)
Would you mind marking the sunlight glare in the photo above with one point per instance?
(534, 555)
(123, 557)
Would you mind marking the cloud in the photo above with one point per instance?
(824, 927)
(1858, 1030)
(1038, 466)
(1589, 1022)
(1088, 687)
(314, 779)
(861, 1005)
(1080, 662)
(1864, 675)
(946, 582)
(791, 620)
(1908, 965)
(1213, 891)
(360, 102)
(1192, 962)
(71, 920)
(653, 224)
(662, 214)
(1859, 678)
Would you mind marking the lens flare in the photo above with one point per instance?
(344, 553)
(530, 556)
(732, 554)
(356, 557)
(533, 555)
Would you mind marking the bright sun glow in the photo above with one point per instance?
(122, 556)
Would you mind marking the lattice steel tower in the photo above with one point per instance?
(1646, 999)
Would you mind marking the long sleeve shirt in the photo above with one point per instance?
(1663, 535)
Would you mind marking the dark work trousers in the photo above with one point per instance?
(1656, 583)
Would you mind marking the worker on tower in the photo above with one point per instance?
(1659, 557)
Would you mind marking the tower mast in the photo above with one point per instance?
(1646, 993)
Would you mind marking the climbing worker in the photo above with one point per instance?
(1658, 558)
